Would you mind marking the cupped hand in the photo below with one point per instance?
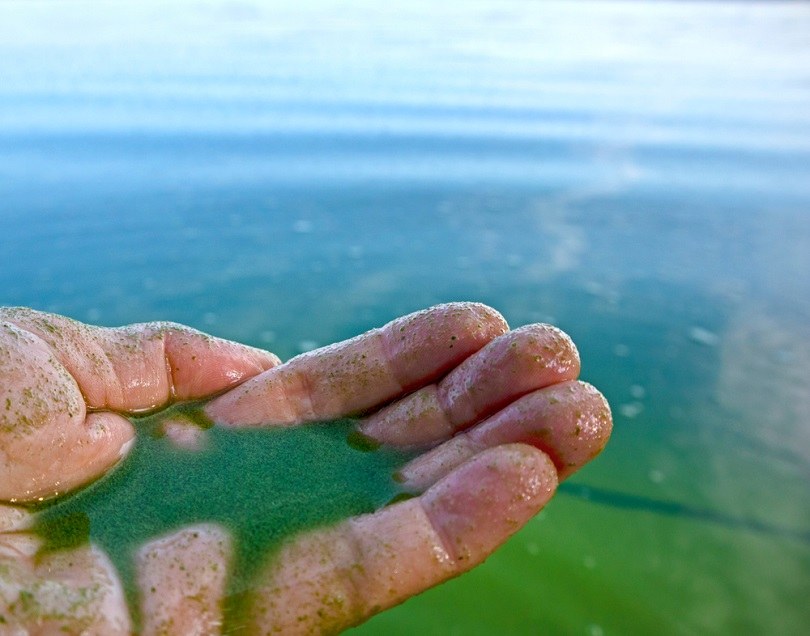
(498, 417)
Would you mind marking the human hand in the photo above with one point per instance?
(481, 401)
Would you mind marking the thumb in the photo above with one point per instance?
(54, 369)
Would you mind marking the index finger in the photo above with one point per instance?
(364, 372)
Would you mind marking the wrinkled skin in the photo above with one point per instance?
(499, 414)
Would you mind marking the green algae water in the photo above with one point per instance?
(261, 484)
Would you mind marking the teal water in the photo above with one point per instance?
(638, 174)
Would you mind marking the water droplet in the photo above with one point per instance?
(637, 391)
(307, 345)
(631, 410)
(621, 350)
(703, 336)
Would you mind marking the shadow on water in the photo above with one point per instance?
(626, 501)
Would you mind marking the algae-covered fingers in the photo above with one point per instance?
(364, 372)
(47, 443)
(480, 487)
(500, 430)
(570, 422)
(477, 425)
(66, 384)
(66, 390)
(182, 580)
(327, 580)
(69, 592)
(508, 367)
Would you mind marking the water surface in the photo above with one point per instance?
(638, 174)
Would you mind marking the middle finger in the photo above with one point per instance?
(512, 365)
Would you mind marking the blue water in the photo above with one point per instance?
(638, 174)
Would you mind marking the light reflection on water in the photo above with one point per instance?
(637, 174)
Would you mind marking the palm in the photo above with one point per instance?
(452, 381)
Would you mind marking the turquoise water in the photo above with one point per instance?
(638, 174)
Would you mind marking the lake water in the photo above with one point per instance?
(638, 174)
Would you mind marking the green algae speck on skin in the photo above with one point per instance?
(261, 484)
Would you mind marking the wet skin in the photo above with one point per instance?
(485, 420)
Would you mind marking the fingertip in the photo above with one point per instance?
(264, 359)
(583, 426)
(201, 365)
(571, 422)
(77, 591)
(182, 578)
(486, 500)
(475, 317)
(521, 361)
(425, 345)
(489, 321)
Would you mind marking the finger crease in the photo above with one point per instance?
(304, 406)
(442, 539)
(168, 362)
(388, 362)
(112, 372)
(446, 409)
(353, 572)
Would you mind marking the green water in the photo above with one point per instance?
(261, 484)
